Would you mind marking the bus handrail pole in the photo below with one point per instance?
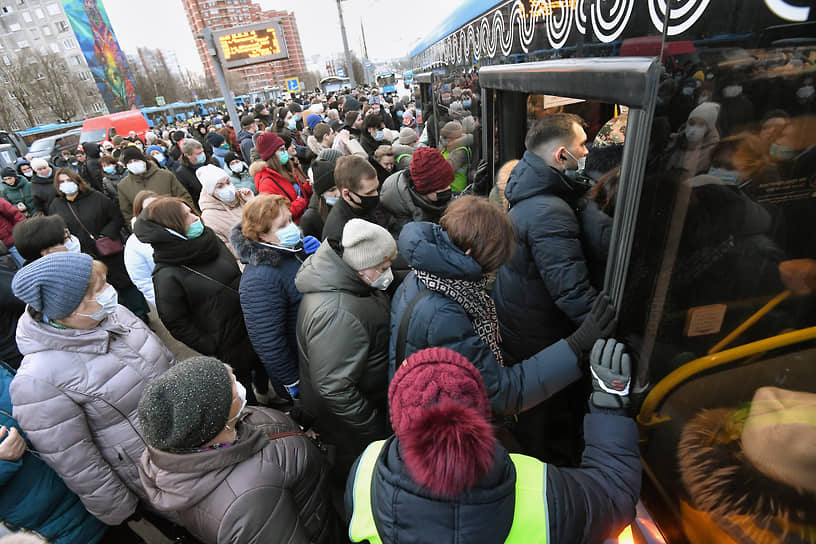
(750, 322)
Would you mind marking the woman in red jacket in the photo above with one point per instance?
(279, 177)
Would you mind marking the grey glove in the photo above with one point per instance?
(600, 323)
(611, 370)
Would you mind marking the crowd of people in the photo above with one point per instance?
(266, 334)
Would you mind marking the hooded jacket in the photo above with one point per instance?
(92, 167)
(404, 204)
(544, 292)
(584, 505)
(17, 193)
(269, 181)
(270, 304)
(271, 485)
(342, 336)
(43, 191)
(76, 394)
(34, 497)
(438, 321)
(154, 179)
(246, 144)
(222, 216)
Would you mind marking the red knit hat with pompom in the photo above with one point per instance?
(441, 416)
(430, 171)
(267, 144)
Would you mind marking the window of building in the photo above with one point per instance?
(54, 47)
(84, 76)
(53, 8)
(6, 60)
(14, 27)
(69, 43)
(7, 9)
(27, 17)
(75, 60)
(62, 26)
(20, 2)
(46, 30)
(22, 43)
(38, 12)
(97, 107)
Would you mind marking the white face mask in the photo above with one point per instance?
(68, 188)
(108, 300)
(72, 245)
(227, 193)
(237, 167)
(695, 134)
(732, 91)
(383, 280)
(241, 390)
(137, 167)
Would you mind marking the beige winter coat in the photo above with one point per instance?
(221, 217)
(75, 395)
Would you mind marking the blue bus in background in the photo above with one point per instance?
(387, 82)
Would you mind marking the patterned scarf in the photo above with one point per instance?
(473, 298)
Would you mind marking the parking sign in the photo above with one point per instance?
(293, 85)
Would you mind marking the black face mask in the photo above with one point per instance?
(443, 197)
(367, 203)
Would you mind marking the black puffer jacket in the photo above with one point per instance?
(43, 192)
(196, 282)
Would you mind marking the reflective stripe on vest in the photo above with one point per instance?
(530, 519)
(460, 177)
(403, 156)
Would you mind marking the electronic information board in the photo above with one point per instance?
(250, 44)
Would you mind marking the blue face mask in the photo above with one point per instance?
(331, 200)
(400, 113)
(292, 124)
(202, 158)
(195, 230)
(289, 235)
(379, 136)
(109, 169)
(466, 103)
(728, 176)
(296, 118)
(284, 157)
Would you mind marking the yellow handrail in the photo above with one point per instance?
(749, 322)
(654, 399)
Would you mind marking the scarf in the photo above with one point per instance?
(473, 298)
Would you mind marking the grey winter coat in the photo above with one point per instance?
(271, 485)
(75, 395)
(404, 204)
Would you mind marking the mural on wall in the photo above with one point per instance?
(107, 62)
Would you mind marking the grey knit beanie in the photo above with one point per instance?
(187, 406)
(366, 245)
(55, 284)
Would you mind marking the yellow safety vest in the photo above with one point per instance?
(460, 177)
(530, 524)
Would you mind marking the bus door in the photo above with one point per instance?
(424, 102)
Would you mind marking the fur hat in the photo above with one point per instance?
(187, 406)
(209, 175)
(441, 415)
(366, 245)
(407, 136)
(55, 284)
(430, 171)
(131, 153)
(267, 143)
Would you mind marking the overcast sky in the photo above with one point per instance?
(391, 26)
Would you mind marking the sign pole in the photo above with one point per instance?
(349, 66)
(212, 50)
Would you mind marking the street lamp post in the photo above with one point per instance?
(345, 45)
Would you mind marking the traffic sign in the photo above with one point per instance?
(341, 72)
(293, 85)
(160, 101)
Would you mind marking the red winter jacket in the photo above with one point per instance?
(9, 216)
(271, 182)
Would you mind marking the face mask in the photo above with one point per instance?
(331, 200)
(695, 134)
(805, 92)
(28, 174)
(289, 235)
(195, 230)
(781, 152)
(237, 168)
(400, 113)
(284, 157)
(444, 196)
(466, 103)
(688, 91)
(163, 148)
(581, 162)
(241, 390)
(379, 136)
(202, 158)
(137, 167)
(160, 158)
(72, 245)
(48, 175)
(732, 91)
(367, 203)
(296, 118)
(68, 187)
(224, 146)
(108, 299)
(109, 169)
(292, 124)
(383, 280)
(728, 176)
(226, 194)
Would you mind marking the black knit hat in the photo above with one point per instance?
(132, 152)
(187, 406)
(323, 170)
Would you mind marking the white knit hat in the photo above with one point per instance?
(38, 163)
(209, 175)
(366, 245)
(708, 112)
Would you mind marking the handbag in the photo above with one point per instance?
(105, 245)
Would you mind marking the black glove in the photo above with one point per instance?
(611, 370)
(600, 323)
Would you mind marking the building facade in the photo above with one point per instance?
(219, 14)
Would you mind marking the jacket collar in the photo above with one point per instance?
(533, 176)
(34, 336)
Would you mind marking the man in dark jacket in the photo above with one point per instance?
(93, 170)
(42, 185)
(193, 157)
(359, 196)
(244, 137)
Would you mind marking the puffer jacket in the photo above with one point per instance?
(404, 204)
(585, 505)
(270, 304)
(222, 216)
(43, 192)
(9, 216)
(154, 179)
(34, 498)
(271, 485)
(342, 336)
(544, 292)
(17, 193)
(76, 394)
(438, 321)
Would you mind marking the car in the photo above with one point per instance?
(51, 146)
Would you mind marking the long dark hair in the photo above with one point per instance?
(76, 178)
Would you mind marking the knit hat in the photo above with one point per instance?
(351, 104)
(230, 157)
(38, 163)
(430, 171)
(366, 245)
(214, 139)
(351, 118)
(117, 140)
(152, 148)
(312, 120)
(8, 172)
(209, 175)
(55, 284)
(187, 406)
(407, 136)
(267, 143)
(178, 136)
(779, 436)
(323, 170)
(708, 112)
(441, 415)
(131, 153)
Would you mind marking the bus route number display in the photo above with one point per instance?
(251, 44)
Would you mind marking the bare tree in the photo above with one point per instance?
(16, 78)
(55, 84)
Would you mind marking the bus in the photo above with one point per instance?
(387, 82)
(701, 122)
(334, 84)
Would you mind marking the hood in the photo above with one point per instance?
(401, 149)
(91, 150)
(533, 176)
(206, 201)
(258, 254)
(243, 135)
(178, 481)
(256, 167)
(395, 194)
(325, 271)
(427, 247)
(18, 163)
